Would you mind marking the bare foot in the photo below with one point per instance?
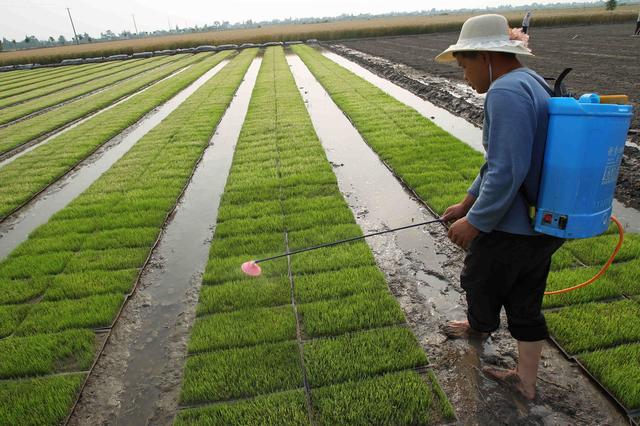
(511, 379)
(462, 330)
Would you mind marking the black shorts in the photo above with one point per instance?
(509, 270)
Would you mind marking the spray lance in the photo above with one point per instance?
(584, 148)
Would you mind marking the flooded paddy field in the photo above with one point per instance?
(121, 295)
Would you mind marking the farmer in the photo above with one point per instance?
(526, 21)
(637, 32)
(507, 262)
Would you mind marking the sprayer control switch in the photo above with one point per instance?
(547, 218)
(562, 222)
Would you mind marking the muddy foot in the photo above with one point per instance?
(511, 380)
(462, 330)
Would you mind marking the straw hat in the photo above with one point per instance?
(487, 33)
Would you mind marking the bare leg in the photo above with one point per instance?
(524, 377)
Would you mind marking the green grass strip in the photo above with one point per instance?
(14, 112)
(618, 369)
(595, 325)
(361, 355)
(39, 401)
(338, 284)
(243, 328)
(19, 92)
(362, 311)
(394, 399)
(241, 373)
(283, 408)
(596, 250)
(46, 353)
(33, 127)
(235, 295)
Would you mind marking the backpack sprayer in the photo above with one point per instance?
(584, 148)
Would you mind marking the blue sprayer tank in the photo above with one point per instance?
(585, 144)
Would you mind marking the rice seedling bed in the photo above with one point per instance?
(24, 104)
(28, 175)
(76, 74)
(259, 341)
(42, 124)
(83, 280)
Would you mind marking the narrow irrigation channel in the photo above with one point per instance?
(16, 228)
(137, 379)
(422, 269)
(457, 126)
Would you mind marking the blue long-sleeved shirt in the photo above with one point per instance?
(514, 134)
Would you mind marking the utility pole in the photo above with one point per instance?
(74, 28)
(134, 23)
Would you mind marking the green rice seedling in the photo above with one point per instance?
(393, 399)
(46, 353)
(48, 162)
(251, 246)
(20, 291)
(10, 317)
(228, 269)
(243, 328)
(107, 260)
(310, 219)
(39, 401)
(357, 356)
(283, 408)
(263, 225)
(232, 296)
(596, 250)
(338, 284)
(44, 75)
(297, 205)
(322, 234)
(252, 210)
(595, 325)
(71, 242)
(562, 259)
(34, 265)
(241, 373)
(618, 369)
(121, 238)
(446, 409)
(354, 254)
(358, 312)
(24, 131)
(605, 287)
(90, 312)
(84, 284)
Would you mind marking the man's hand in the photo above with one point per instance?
(462, 233)
(458, 211)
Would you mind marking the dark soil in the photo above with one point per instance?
(604, 58)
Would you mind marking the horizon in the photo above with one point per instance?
(50, 19)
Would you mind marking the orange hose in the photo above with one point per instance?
(603, 269)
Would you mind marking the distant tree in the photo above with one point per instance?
(1, 45)
(611, 4)
(27, 39)
(51, 40)
(62, 39)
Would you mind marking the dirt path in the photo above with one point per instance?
(422, 268)
(408, 62)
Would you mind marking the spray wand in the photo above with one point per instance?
(253, 269)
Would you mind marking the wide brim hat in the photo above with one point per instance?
(485, 33)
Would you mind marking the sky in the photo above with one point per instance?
(44, 18)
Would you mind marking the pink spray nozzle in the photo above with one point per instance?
(251, 268)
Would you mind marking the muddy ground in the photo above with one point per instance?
(605, 58)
